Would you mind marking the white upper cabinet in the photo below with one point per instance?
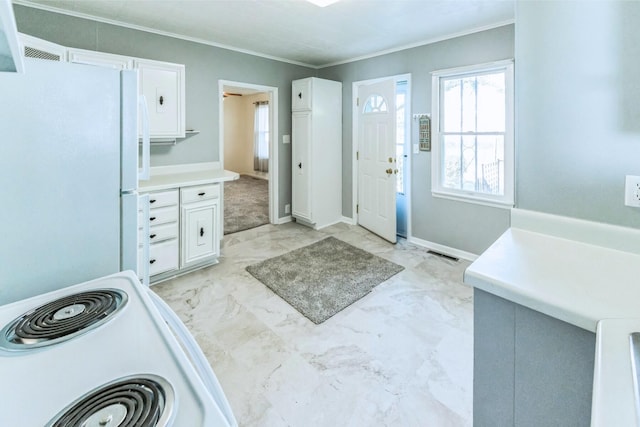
(163, 86)
(91, 57)
(301, 95)
(33, 47)
(10, 57)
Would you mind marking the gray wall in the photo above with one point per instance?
(578, 108)
(205, 65)
(465, 226)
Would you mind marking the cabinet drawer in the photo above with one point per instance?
(163, 215)
(201, 192)
(165, 198)
(158, 233)
(163, 257)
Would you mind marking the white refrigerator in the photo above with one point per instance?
(68, 176)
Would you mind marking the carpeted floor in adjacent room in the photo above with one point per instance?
(246, 203)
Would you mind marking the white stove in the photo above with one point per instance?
(102, 353)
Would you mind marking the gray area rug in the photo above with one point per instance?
(246, 204)
(322, 279)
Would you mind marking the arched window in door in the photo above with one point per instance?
(375, 104)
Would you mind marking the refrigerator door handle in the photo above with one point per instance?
(144, 171)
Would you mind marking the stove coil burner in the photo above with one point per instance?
(62, 319)
(143, 401)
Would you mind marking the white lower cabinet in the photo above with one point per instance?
(164, 214)
(184, 230)
(200, 239)
(163, 257)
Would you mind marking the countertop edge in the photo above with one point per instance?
(186, 179)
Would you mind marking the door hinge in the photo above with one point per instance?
(357, 208)
(357, 155)
(357, 102)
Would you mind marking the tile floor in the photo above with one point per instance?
(400, 356)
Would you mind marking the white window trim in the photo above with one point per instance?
(437, 190)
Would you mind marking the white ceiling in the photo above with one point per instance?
(295, 30)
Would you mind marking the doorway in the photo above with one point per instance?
(254, 155)
(381, 160)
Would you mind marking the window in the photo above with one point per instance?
(472, 157)
(375, 104)
(401, 124)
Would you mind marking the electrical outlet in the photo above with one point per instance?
(287, 208)
(632, 191)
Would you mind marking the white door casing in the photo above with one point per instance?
(377, 159)
(274, 201)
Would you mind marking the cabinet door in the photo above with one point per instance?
(301, 156)
(100, 59)
(162, 84)
(301, 95)
(200, 239)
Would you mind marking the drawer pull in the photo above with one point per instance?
(151, 261)
(152, 218)
(152, 201)
(201, 194)
(152, 236)
(201, 231)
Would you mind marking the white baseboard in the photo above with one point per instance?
(284, 220)
(457, 253)
(348, 220)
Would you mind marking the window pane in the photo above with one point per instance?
(468, 163)
(474, 163)
(451, 149)
(469, 98)
(491, 102)
(450, 115)
(375, 104)
(491, 164)
(400, 134)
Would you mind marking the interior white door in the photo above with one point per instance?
(377, 160)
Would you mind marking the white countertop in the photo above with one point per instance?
(579, 282)
(163, 179)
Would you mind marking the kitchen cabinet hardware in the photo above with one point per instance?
(201, 231)
(153, 218)
(201, 194)
(152, 201)
(161, 100)
(151, 261)
(152, 236)
(300, 165)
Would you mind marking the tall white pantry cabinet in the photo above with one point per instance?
(316, 126)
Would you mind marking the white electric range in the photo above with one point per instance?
(104, 353)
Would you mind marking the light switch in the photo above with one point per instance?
(286, 139)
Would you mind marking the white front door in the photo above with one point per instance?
(377, 167)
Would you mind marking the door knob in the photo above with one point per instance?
(389, 171)
(390, 159)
